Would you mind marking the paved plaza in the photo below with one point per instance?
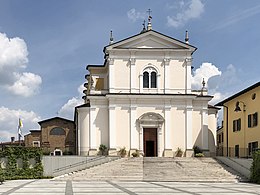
(48, 187)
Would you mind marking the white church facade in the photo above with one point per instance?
(141, 99)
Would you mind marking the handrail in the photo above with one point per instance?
(80, 163)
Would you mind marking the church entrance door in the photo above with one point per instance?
(150, 142)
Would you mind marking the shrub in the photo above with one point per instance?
(199, 155)
(255, 169)
(1, 176)
(197, 150)
(25, 172)
(102, 149)
(122, 152)
(136, 154)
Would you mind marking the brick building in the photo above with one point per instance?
(56, 136)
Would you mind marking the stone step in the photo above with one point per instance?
(157, 169)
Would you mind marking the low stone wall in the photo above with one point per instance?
(240, 165)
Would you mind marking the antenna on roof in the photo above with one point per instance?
(186, 37)
(111, 40)
(149, 25)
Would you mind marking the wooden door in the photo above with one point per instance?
(150, 142)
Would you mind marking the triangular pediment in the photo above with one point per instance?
(150, 39)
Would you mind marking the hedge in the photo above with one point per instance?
(255, 169)
(12, 171)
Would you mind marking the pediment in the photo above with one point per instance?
(150, 39)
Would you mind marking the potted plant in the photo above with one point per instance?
(136, 154)
(122, 152)
(179, 152)
(102, 149)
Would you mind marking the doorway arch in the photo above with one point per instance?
(150, 133)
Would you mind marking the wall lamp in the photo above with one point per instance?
(238, 109)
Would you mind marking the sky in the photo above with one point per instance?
(46, 45)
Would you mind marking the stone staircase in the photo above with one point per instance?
(157, 169)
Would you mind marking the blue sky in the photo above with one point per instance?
(46, 45)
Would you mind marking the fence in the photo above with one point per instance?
(236, 152)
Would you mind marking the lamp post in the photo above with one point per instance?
(238, 109)
(226, 127)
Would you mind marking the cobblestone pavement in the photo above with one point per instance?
(48, 187)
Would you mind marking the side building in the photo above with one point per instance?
(57, 136)
(241, 129)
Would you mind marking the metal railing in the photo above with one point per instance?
(236, 152)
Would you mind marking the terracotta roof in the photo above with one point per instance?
(54, 118)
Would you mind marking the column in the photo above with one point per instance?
(132, 75)
(204, 131)
(189, 139)
(93, 133)
(166, 75)
(112, 130)
(167, 147)
(111, 75)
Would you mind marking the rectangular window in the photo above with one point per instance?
(252, 120)
(237, 125)
(252, 146)
(222, 137)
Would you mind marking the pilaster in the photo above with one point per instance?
(111, 75)
(92, 129)
(133, 129)
(204, 125)
(167, 135)
(132, 75)
(112, 129)
(189, 139)
(188, 75)
(166, 75)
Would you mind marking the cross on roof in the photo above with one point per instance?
(149, 11)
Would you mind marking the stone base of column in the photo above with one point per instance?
(112, 152)
(92, 152)
(189, 153)
(168, 153)
(83, 153)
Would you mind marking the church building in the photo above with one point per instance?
(141, 99)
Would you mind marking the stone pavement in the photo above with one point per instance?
(48, 187)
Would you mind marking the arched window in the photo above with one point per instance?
(153, 79)
(146, 80)
(57, 131)
(150, 78)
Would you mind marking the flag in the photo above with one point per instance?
(20, 125)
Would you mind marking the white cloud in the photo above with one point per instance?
(13, 60)
(27, 84)
(205, 71)
(67, 110)
(214, 79)
(191, 10)
(9, 122)
(134, 15)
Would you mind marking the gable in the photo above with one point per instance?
(150, 39)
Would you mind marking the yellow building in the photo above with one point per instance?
(241, 127)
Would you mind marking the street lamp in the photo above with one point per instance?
(238, 109)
